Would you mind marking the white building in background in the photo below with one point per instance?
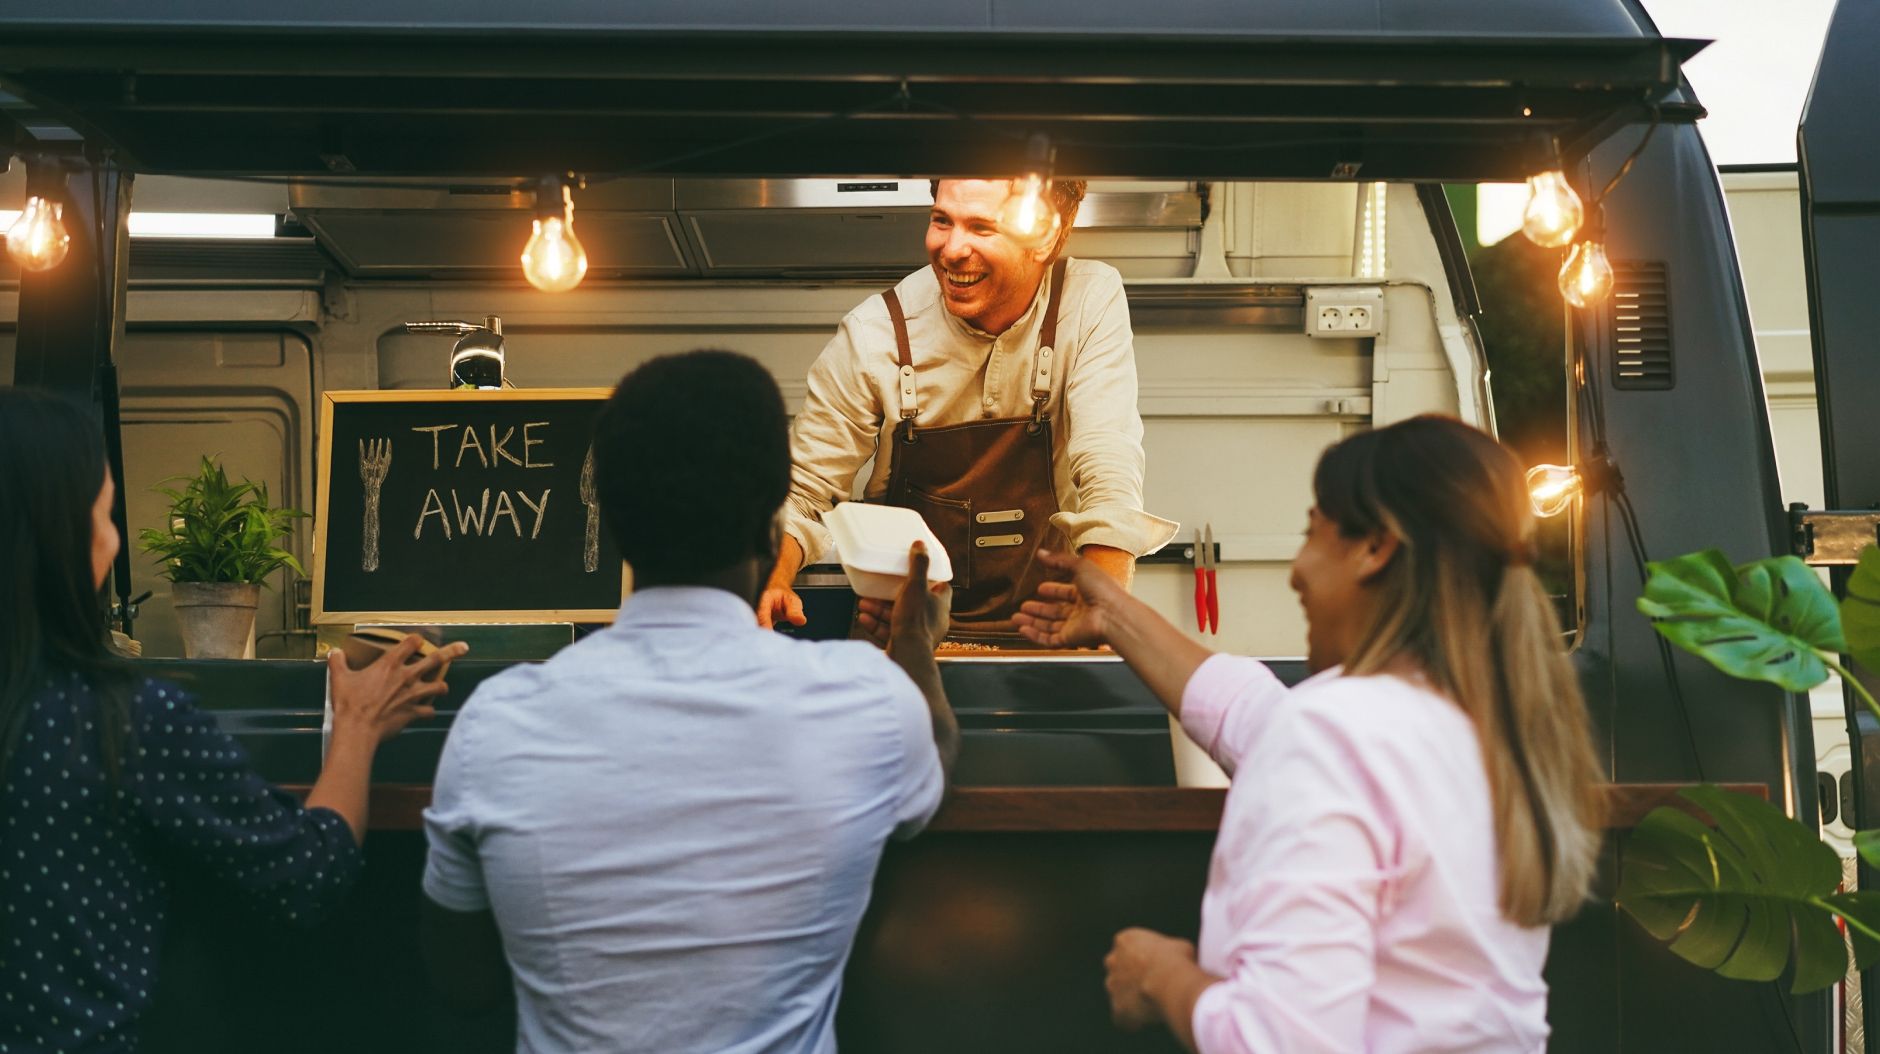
(1766, 217)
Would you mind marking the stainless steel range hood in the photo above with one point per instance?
(712, 228)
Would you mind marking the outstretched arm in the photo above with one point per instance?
(1093, 609)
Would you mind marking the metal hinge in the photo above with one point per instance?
(1831, 539)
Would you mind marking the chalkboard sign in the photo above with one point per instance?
(461, 506)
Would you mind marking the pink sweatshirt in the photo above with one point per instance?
(1352, 902)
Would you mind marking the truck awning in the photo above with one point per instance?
(439, 101)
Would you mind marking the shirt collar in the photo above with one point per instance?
(685, 606)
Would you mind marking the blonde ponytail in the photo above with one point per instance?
(1545, 750)
(1460, 601)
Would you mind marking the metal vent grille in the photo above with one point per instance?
(1641, 327)
(296, 260)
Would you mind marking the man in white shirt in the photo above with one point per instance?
(672, 827)
(996, 392)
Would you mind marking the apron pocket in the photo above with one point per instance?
(951, 521)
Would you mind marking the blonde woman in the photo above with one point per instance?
(1402, 828)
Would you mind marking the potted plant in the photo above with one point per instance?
(1745, 890)
(221, 545)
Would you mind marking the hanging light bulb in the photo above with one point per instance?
(554, 260)
(1586, 277)
(1554, 213)
(1552, 488)
(1028, 217)
(38, 241)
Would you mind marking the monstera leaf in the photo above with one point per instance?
(1860, 611)
(1867, 844)
(1771, 620)
(1737, 896)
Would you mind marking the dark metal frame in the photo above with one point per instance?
(837, 103)
(1840, 197)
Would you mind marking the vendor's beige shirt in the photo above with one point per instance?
(963, 374)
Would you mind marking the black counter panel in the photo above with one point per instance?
(1036, 722)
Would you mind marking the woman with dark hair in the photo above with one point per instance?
(113, 785)
(1403, 827)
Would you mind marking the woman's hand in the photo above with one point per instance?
(371, 706)
(374, 704)
(1136, 960)
(1071, 614)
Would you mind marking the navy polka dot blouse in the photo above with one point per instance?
(85, 864)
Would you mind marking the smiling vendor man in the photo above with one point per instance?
(997, 391)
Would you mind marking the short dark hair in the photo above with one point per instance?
(692, 462)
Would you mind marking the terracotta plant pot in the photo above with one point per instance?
(217, 619)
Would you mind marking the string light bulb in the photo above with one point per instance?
(38, 240)
(1028, 217)
(1554, 212)
(1586, 277)
(554, 260)
(1552, 488)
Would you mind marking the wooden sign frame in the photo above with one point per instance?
(323, 494)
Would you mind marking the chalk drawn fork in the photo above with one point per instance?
(375, 460)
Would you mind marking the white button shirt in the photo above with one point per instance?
(676, 823)
(963, 374)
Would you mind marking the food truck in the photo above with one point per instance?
(1268, 179)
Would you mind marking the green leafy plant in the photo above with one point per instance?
(1860, 611)
(220, 531)
(1733, 897)
(1740, 891)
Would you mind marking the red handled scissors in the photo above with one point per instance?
(1207, 588)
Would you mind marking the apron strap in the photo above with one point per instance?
(910, 408)
(1041, 360)
(1047, 344)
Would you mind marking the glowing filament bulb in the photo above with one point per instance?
(554, 260)
(1027, 216)
(37, 241)
(1586, 277)
(1552, 488)
(1554, 213)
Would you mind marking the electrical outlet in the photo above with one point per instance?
(1344, 311)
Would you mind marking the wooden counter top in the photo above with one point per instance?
(400, 807)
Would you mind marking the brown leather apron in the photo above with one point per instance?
(985, 488)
